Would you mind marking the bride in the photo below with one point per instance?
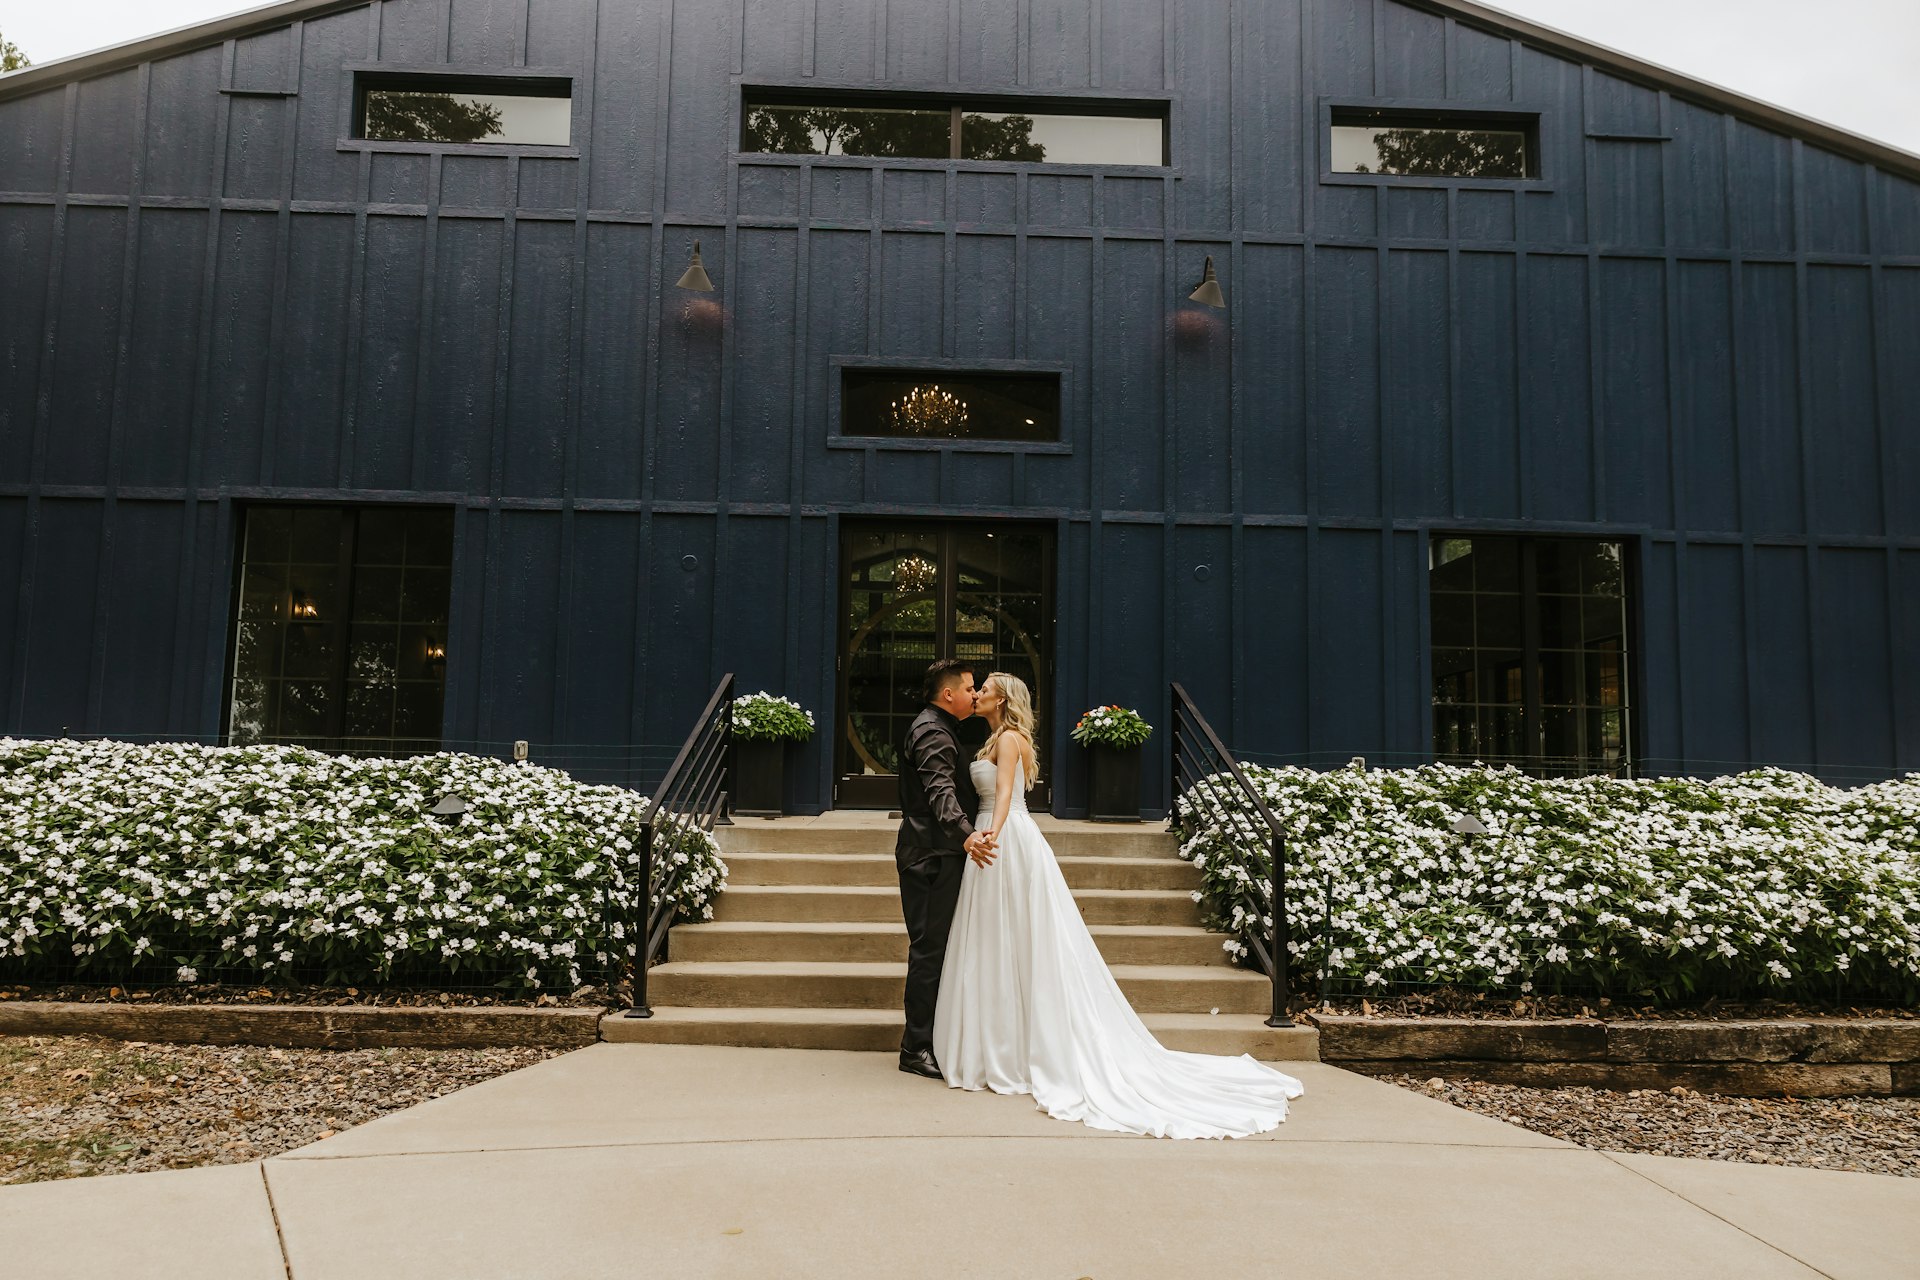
(1026, 1002)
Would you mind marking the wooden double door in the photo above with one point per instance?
(913, 591)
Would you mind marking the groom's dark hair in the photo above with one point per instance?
(943, 673)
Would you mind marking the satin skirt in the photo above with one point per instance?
(1028, 1005)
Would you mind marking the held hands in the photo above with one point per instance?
(980, 848)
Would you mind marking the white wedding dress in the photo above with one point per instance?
(1027, 1005)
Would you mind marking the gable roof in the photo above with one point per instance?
(251, 21)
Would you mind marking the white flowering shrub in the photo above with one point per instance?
(762, 717)
(262, 863)
(1767, 883)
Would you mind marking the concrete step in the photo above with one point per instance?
(872, 834)
(787, 984)
(875, 904)
(879, 1030)
(762, 868)
(750, 940)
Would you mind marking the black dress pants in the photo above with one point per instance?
(929, 890)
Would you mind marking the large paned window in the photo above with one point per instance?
(914, 127)
(1426, 145)
(1530, 655)
(502, 110)
(908, 404)
(340, 628)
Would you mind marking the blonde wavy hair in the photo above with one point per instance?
(1016, 712)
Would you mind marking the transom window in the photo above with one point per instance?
(923, 404)
(1530, 656)
(502, 110)
(1408, 144)
(1103, 133)
(340, 628)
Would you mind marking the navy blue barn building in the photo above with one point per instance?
(1605, 460)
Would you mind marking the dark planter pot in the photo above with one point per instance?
(1115, 772)
(759, 777)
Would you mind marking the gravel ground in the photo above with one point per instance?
(71, 1106)
(1864, 1135)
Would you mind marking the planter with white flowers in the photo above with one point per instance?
(1113, 736)
(764, 727)
(1767, 884)
(172, 862)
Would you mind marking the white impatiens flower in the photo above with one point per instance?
(280, 860)
(1669, 887)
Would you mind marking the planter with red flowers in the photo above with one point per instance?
(1113, 736)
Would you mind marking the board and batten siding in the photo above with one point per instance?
(1696, 332)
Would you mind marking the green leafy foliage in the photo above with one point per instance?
(1767, 883)
(761, 717)
(1112, 726)
(11, 59)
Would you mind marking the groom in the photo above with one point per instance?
(937, 804)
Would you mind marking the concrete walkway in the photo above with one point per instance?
(687, 1161)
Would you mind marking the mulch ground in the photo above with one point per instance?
(1863, 1135)
(76, 1106)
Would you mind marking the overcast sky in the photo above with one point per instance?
(1848, 62)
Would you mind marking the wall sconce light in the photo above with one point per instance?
(695, 276)
(436, 652)
(304, 607)
(1207, 292)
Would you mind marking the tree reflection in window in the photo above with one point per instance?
(1438, 150)
(429, 117)
(917, 128)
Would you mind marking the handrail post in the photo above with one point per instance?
(1173, 758)
(645, 926)
(727, 774)
(1278, 902)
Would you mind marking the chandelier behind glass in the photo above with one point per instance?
(929, 411)
(914, 574)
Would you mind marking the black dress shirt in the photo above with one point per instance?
(937, 799)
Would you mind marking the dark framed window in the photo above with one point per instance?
(934, 128)
(502, 110)
(1531, 663)
(340, 628)
(1434, 144)
(948, 404)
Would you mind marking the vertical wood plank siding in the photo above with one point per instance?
(1695, 333)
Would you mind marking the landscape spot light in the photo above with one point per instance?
(450, 809)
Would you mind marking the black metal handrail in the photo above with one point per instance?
(692, 796)
(1199, 755)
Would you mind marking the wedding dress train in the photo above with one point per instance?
(1028, 1005)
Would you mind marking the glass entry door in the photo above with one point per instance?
(913, 592)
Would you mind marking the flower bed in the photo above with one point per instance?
(1764, 884)
(185, 863)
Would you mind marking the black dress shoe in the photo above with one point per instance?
(921, 1063)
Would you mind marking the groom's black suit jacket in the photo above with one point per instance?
(937, 799)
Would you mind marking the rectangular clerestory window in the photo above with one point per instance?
(1429, 144)
(945, 405)
(1530, 654)
(913, 126)
(498, 110)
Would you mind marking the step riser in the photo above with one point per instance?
(804, 907)
(844, 991)
(878, 872)
(1283, 1046)
(688, 943)
(1148, 840)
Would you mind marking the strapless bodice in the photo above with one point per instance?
(985, 777)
